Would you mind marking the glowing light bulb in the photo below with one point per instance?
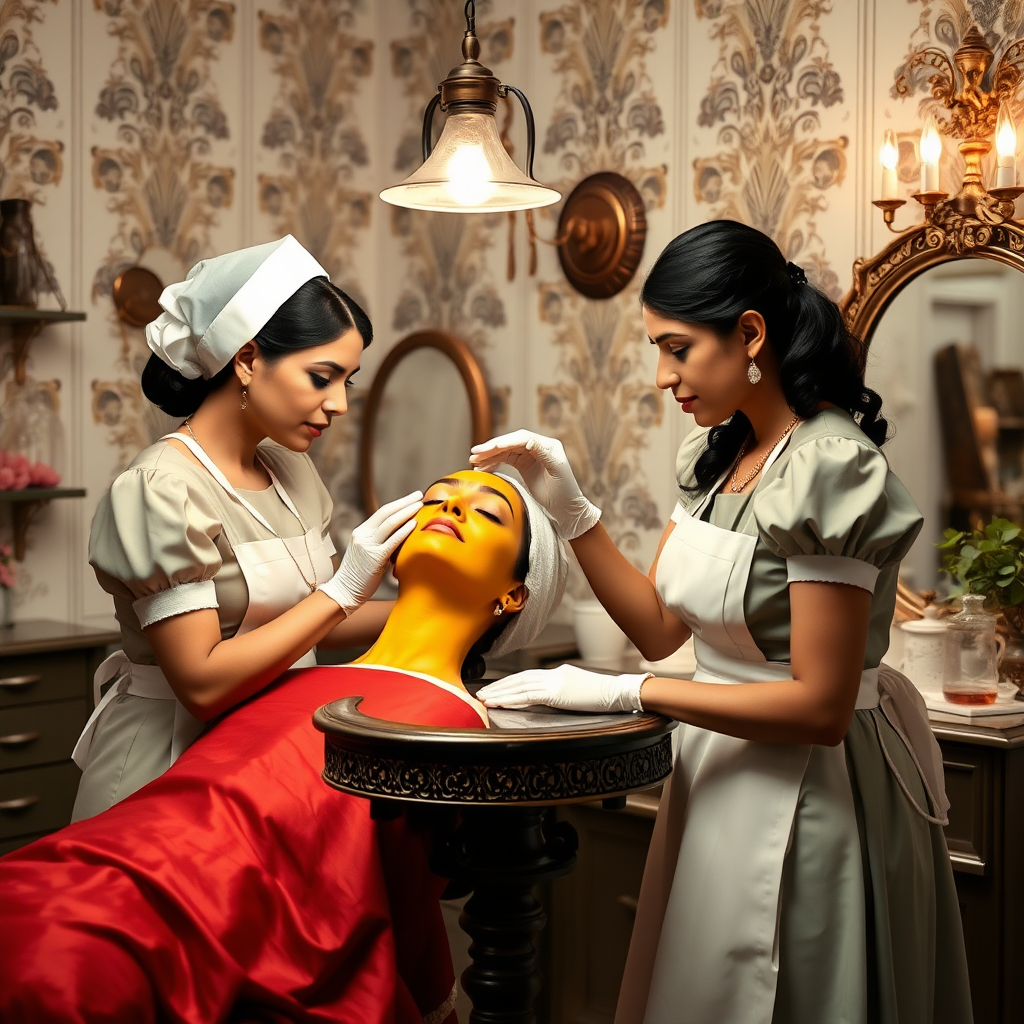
(889, 156)
(1006, 147)
(469, 176)
(931, 152)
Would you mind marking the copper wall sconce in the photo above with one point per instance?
(601, 235)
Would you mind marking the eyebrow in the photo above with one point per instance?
(453, 481)
(667, 337)
(332, 365)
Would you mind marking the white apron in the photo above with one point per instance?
(274, 584)
(705, 941)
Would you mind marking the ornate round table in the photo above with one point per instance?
(488, 793)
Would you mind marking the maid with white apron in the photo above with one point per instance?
(798, 872)
(221, 527)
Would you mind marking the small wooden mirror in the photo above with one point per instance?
(427, 405)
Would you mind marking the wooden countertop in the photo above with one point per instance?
(38, 636)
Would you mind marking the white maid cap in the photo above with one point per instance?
(545, 579)
(224, 302)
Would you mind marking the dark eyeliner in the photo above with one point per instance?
(319, 381)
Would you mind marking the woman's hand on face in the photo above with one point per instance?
(567, 687)
(546, 471)
(373, 543)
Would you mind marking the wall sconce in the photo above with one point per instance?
(978, 117)
(469, 171)
(601, 235)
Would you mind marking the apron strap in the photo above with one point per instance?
(211, 467)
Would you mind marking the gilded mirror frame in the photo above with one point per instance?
(481, 414)
(878, 279)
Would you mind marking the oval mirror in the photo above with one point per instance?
(945, 355)
(427, 405)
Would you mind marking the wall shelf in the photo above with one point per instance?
(26, 503)
(23, 323)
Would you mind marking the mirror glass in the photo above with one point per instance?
(977, 305)
(423, 428)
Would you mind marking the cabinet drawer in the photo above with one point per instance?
(969, 785)
(40, 733)
(37, 677)
(37, 799)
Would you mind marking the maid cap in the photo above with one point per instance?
(545, 579)
(225, 302)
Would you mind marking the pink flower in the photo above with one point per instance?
(42, 475)
(6, 478)
(6, 551)
(7, 575)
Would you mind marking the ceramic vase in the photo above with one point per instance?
(19, 260)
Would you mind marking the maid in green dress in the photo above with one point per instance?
(798, 873)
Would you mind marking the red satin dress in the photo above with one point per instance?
(238, 886)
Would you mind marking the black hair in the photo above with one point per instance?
(474, 665)
(313, 315)
(712, 274)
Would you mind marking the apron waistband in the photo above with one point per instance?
(149, 681)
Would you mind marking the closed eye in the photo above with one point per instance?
(680, 353)
(490, 515)
(319, 381)
(434, 501)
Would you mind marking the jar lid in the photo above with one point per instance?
(930, 624)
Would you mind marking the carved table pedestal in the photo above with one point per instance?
(497, 784)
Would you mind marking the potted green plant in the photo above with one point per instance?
(990, 561)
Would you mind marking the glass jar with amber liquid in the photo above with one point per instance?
(970, 674)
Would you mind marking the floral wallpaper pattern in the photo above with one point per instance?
(28, 165)
(448, 283)
(772, 78)
(159, 180)
(602, 404)
(321, 66)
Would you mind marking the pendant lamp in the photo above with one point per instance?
(469, 171)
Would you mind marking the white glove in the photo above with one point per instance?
(543, 466)
(566, 687)
(373, 544)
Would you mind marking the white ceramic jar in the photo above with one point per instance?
(924, 651)
(600, 641)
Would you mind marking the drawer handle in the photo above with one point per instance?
(17, 682)
(18, 739)
(629, 902)
(19, 803)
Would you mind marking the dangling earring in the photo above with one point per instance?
(753, 373)
(499, 610)
(244, 404)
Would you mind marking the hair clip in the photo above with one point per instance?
(796, 274)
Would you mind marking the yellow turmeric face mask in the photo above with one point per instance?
(467, 538)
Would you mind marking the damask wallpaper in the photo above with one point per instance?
(602, 403)
(162, 131)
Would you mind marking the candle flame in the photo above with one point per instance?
(931, 142)
(889, 154)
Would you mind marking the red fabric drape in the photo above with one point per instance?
(238, 886)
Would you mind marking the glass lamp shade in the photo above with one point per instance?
(469, 171)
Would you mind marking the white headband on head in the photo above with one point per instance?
(224, 302)
(545, 579)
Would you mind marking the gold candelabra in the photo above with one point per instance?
(978, 99)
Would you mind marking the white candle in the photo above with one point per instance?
(1006, 148)
(931, 151)
(889, 156)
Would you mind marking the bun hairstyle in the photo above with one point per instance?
(712, 274)
(313, 315)
(474, 665)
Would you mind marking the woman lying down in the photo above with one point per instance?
(237, 886)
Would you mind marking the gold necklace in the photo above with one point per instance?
(305, 532)
(737, 487)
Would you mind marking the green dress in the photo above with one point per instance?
(874, 938)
